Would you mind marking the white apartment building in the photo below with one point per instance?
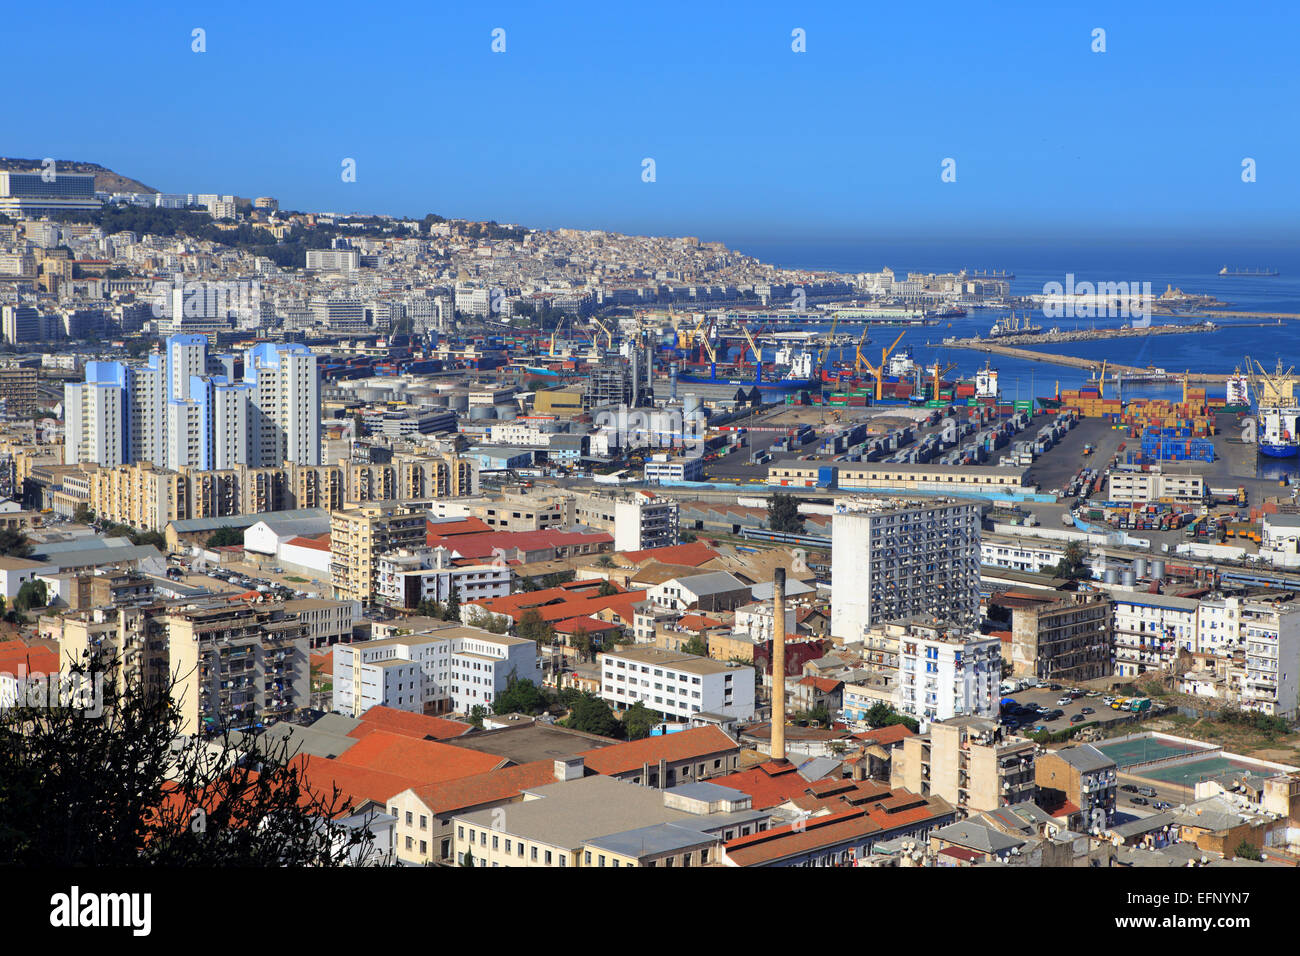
(756, 621)
(674, 684)
(409, 576)
(451, 668)
(643, 520)
(948, 674)
(892, 559)
(1272, 635)
(1019, 554)
(95, 418)
(662, 468)
(1150, 629)
(334, 260)
(284, 405)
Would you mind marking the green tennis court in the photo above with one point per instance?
(1125, 753)
(1191, 773)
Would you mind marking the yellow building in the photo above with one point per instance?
(359, 535)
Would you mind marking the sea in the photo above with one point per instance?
(1191, 266)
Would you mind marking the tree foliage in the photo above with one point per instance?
(592, 715)
(783, 514)
(115, 784)
(520, 697)
(14, 544)
(225, 538)
(638, 721)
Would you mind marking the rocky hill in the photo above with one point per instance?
(105, 179)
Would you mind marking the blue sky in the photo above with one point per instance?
(750, 139)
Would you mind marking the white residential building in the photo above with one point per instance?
(643, 520)
(334, 260)
(893, 558)
(284, 405)
(1272, 682)
(1150, 629)
(409, 576)
(674, 684)
(944, 674)
(451, 668)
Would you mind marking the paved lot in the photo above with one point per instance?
(1048, 698)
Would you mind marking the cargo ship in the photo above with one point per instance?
(1278, 414)
(1248, 273)
(794, 377)
(1014, 325)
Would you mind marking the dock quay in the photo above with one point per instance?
(1073, 361)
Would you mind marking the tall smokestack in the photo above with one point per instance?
(778, 664)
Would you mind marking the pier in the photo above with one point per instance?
(1091, 365)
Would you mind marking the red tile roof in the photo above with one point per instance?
(320, 542)
(895, 733)
(632, 755)
(359, 784)
(491, 787)
(698, 622)
(563, 603)
(823, 684)
(409, 724)
(16, 656)
(770, 784)
(451, 529)
(421, 761)
(693, 554)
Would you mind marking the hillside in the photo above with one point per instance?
(105, 179)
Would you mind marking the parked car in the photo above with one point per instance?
(1138, 801)
(1093, 693)
(1077, 719)
(1146, 791)
(1162, 805)
(1129, 788)
(1053, 686)
(1087, 710)
(1061, 702)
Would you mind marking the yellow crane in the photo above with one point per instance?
(830, 341)
(879, 371)
(858, 359)
(938, 373)
(753, 346)
(609, 336)
(559, 325)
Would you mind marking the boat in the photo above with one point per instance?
(1276, 431)
(1014, 325)
(985, 274)
(1247, 273)
(797, 376)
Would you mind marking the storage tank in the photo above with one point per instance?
(506, 411)
(1129, 579)
(482, 413)
(1157, 570)
(1111, 576)
(1140, 567)
(458, 402)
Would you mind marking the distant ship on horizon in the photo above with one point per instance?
(1225, 271)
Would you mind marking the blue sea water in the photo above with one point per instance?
(1190, 266)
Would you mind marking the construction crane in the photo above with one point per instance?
(879, 371)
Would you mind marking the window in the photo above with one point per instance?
(409, 817)
(534, 854)
(424, 848)
(548, 857)
(424, 822)
(586, 858)
(409, 843)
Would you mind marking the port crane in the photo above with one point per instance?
(554, 332)
(858, 360)
(878, 372)
(1276, 388)
(609, 336)
(753, 346)
(938, 374)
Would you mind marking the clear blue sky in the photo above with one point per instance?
(750, 139)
